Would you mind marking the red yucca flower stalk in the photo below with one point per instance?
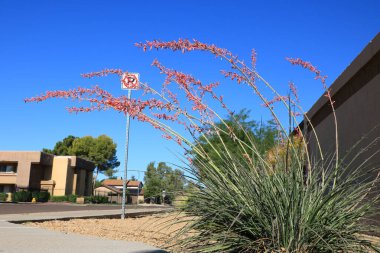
(245, 200)
(318, 76)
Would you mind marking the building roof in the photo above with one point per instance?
(119, 182)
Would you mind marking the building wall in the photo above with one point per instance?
(60, 169)
(81, 179)
(24, 161)
(8, 178)
(357, 117)
(356, 93)
(60, 175)
(69, 177)
(35, 177)
(89, 183)
(47, 172)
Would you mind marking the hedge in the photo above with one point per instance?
(99, 199)
(22, 196)
(58, 198)
(41, 196)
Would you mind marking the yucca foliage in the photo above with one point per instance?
(247, 198)
(244, 207)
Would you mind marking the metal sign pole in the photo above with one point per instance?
(125, 179)
(129, 81)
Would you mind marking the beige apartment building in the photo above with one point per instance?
(39, 171)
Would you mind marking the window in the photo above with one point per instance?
(5, 188)
(8, 167)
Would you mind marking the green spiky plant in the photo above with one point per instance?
(247, 200)
(246, 203)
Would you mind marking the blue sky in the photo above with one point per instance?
(46, 45)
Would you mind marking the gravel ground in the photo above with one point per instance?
(155, 230)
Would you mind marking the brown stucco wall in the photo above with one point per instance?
(81, 178)
(24, 161)
(61, 175)
(89, 182)
(36, 175)
(356, 93)
(8, 179)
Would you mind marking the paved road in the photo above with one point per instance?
(18, 208)
(64, 215)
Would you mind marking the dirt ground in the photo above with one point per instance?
(156, 230)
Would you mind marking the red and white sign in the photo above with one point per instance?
(130, 81)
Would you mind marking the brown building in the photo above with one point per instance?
(114, 189)
(36, 171)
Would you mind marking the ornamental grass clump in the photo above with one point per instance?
(246, 198)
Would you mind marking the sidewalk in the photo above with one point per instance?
(16, 238)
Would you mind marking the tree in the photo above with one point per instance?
(98, 183)
(163, 177)
(110, 173)
(62, 147)
(262, 135)
(100, 150)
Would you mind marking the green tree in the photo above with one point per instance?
(100, 150)
(163, 177)
(110, 173)
(98, 183)
(247, 131)
(62, 147)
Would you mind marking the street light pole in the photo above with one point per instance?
(125, 179)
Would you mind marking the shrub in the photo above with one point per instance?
(87, 199)
(72, 198)
(3, 196)
(22, 196)
(40, 196)
(99, 199)
(58, 198)
(43, 196)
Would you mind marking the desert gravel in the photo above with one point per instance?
(157, 230)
